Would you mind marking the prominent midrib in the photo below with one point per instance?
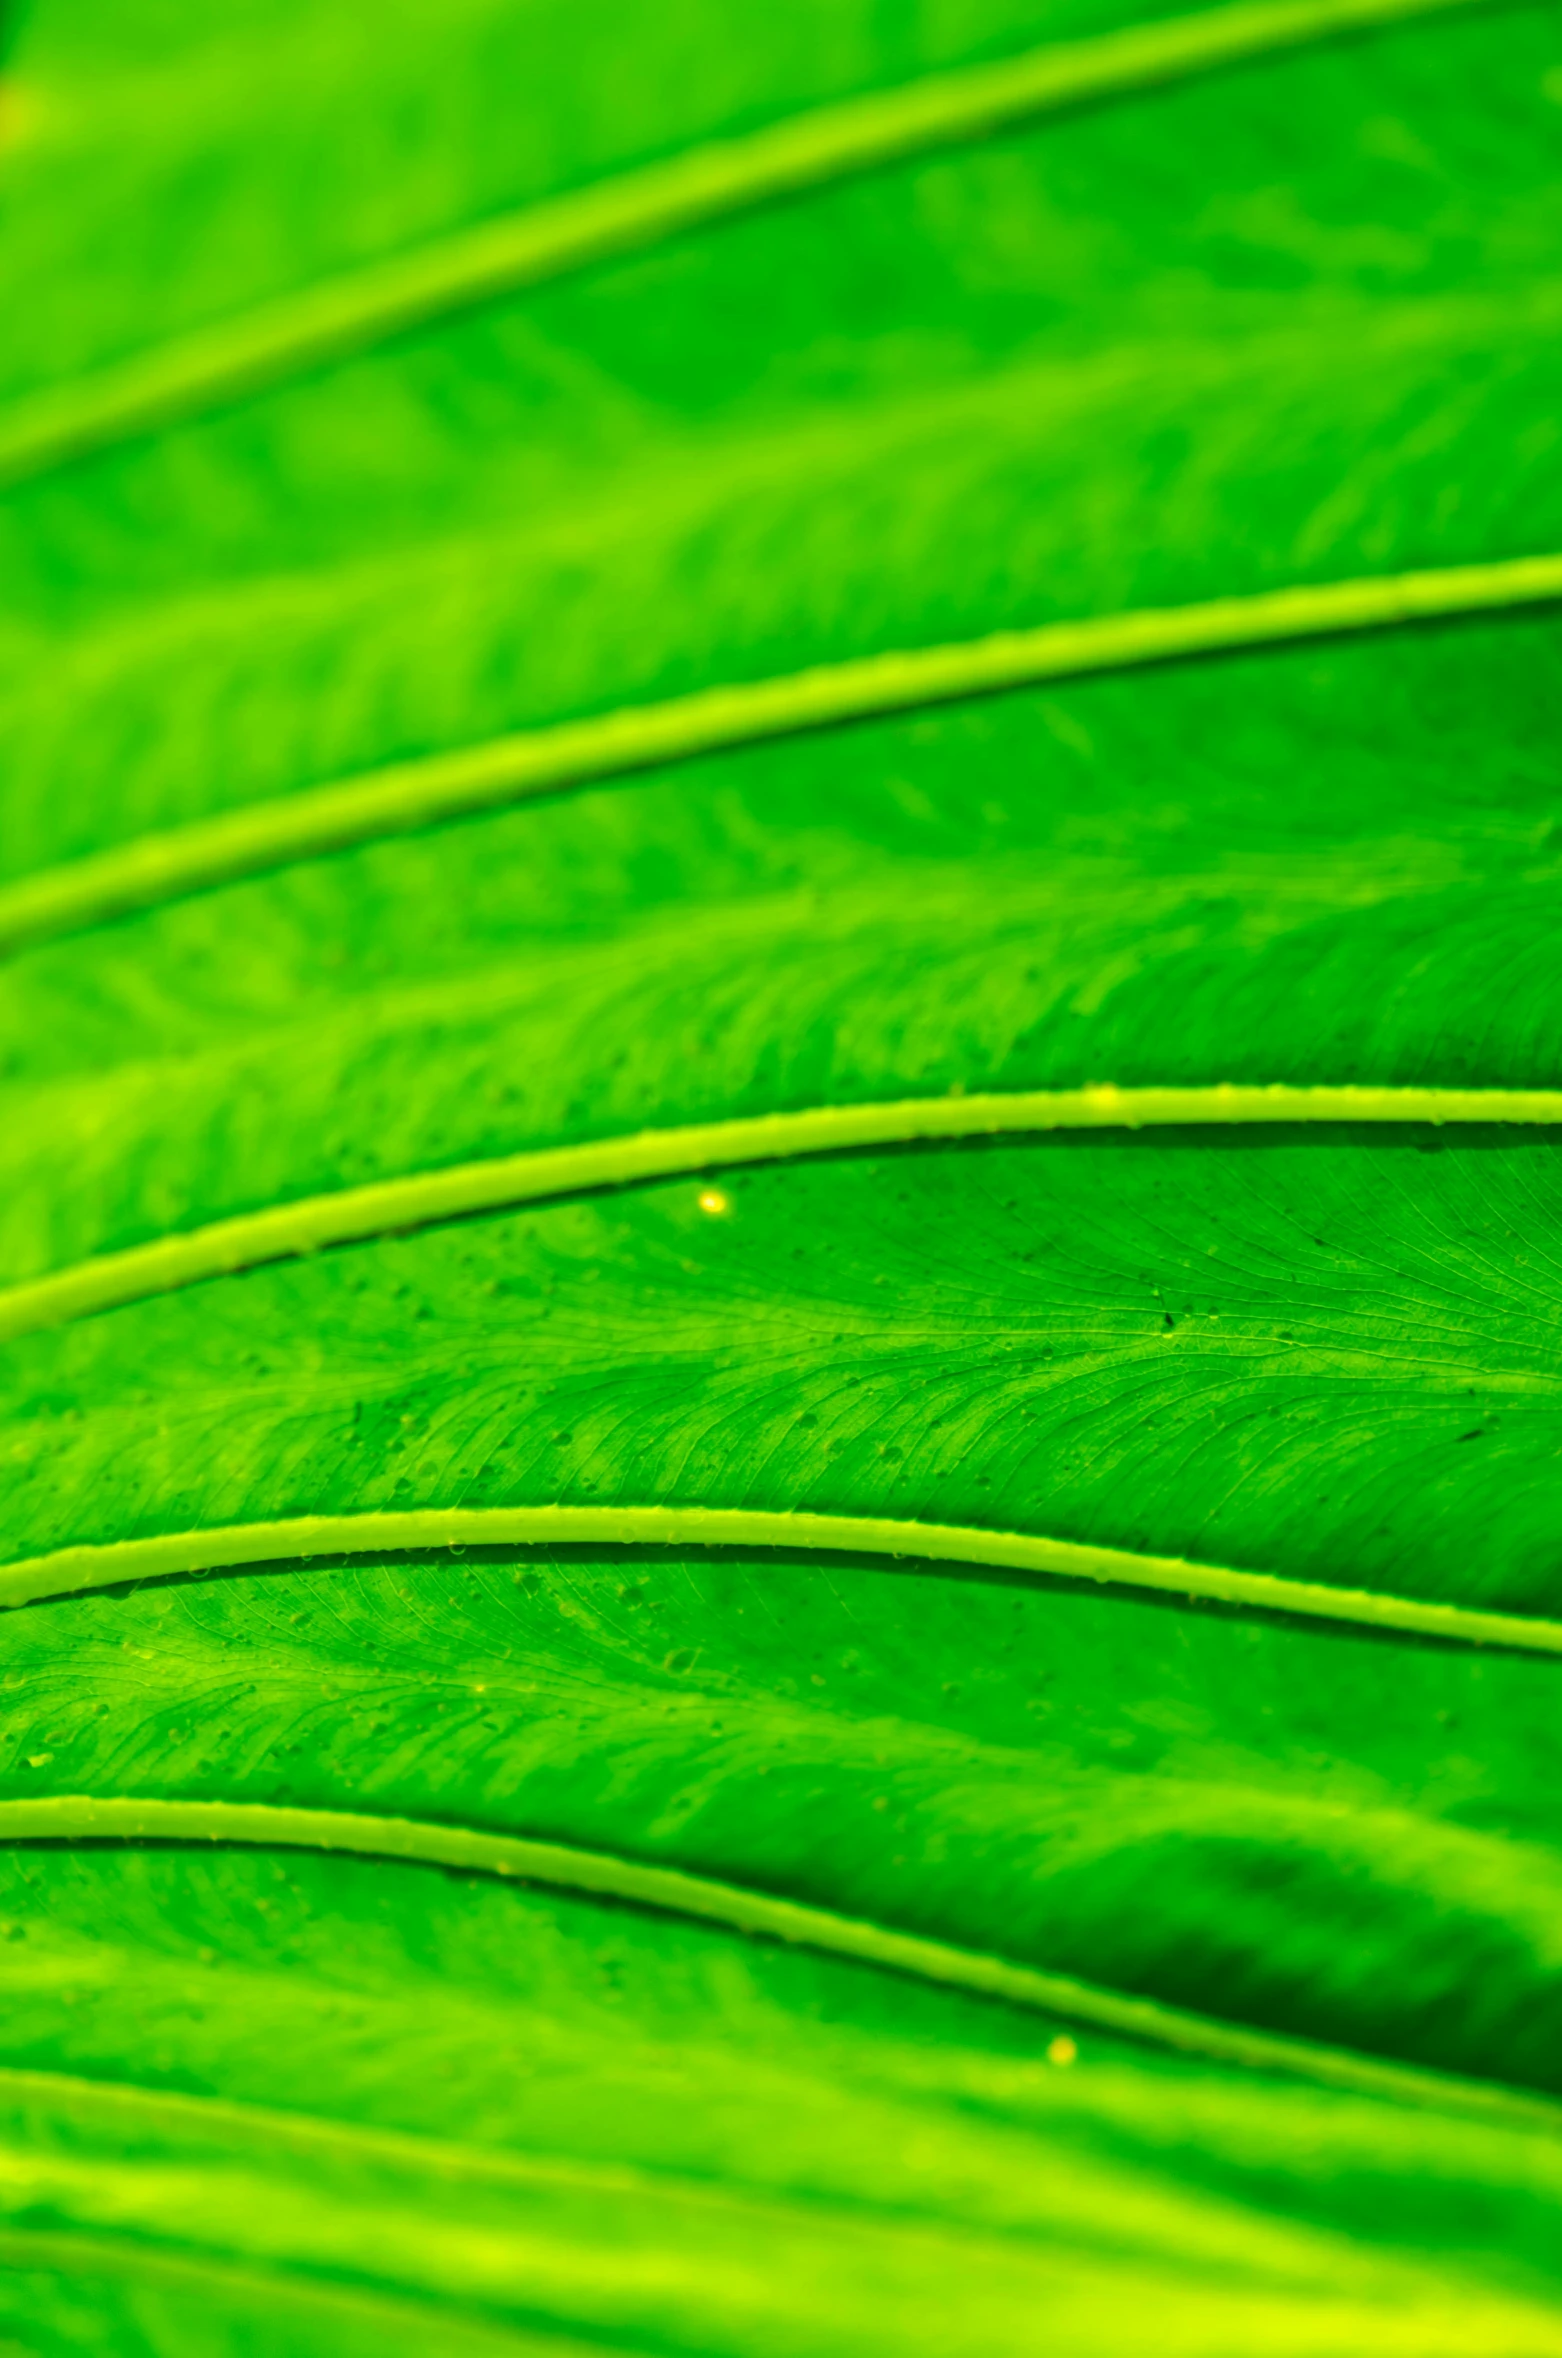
(556, 1866)
(210, 367)
(402, 797)
(384, 1207)
(226, 1547)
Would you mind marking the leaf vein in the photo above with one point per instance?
(74, 1571)
(213, 367)
(385, 1207)
(591, 1874)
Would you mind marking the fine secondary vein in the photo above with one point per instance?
(556, 1866)
(357, 1215)
(74, 1571)
(137, 2103)
(211, 367)
(402, 797)
(383, 2308)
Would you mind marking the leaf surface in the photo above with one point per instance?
(1129, 1954)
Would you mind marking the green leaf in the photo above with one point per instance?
(778, 1224)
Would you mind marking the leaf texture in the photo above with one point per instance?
(780, 1355)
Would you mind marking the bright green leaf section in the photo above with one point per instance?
(239, 161)
(650, 2116)
(1062, 373)
(1057, 1778)
(1095, 881)
(1286, 1353)
(1288, 323)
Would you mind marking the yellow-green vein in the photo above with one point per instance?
(73, 1571)
(440, 787)
(355, 1215)
(137, 2105)
(223, 363)
(273, 2289)
(558, 1866)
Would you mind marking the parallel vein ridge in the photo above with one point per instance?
(223, 363)
(217, 2277)
(557, 1866)
(72, 1571)
(405, 796)
(354, 1215)
(139, 2103)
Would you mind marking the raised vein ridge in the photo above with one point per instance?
(139, 2103)
(75, 2250)
(558, 1866)
(214, 366)
(72, 1571)
(355, 1215)
(405, 796)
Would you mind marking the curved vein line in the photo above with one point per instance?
(292, 2284)
(206, 2115)
(74, 1571)
(385, 1207)
(212, 367)
(591, 1874)
(404, 796)
(140, 2102)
